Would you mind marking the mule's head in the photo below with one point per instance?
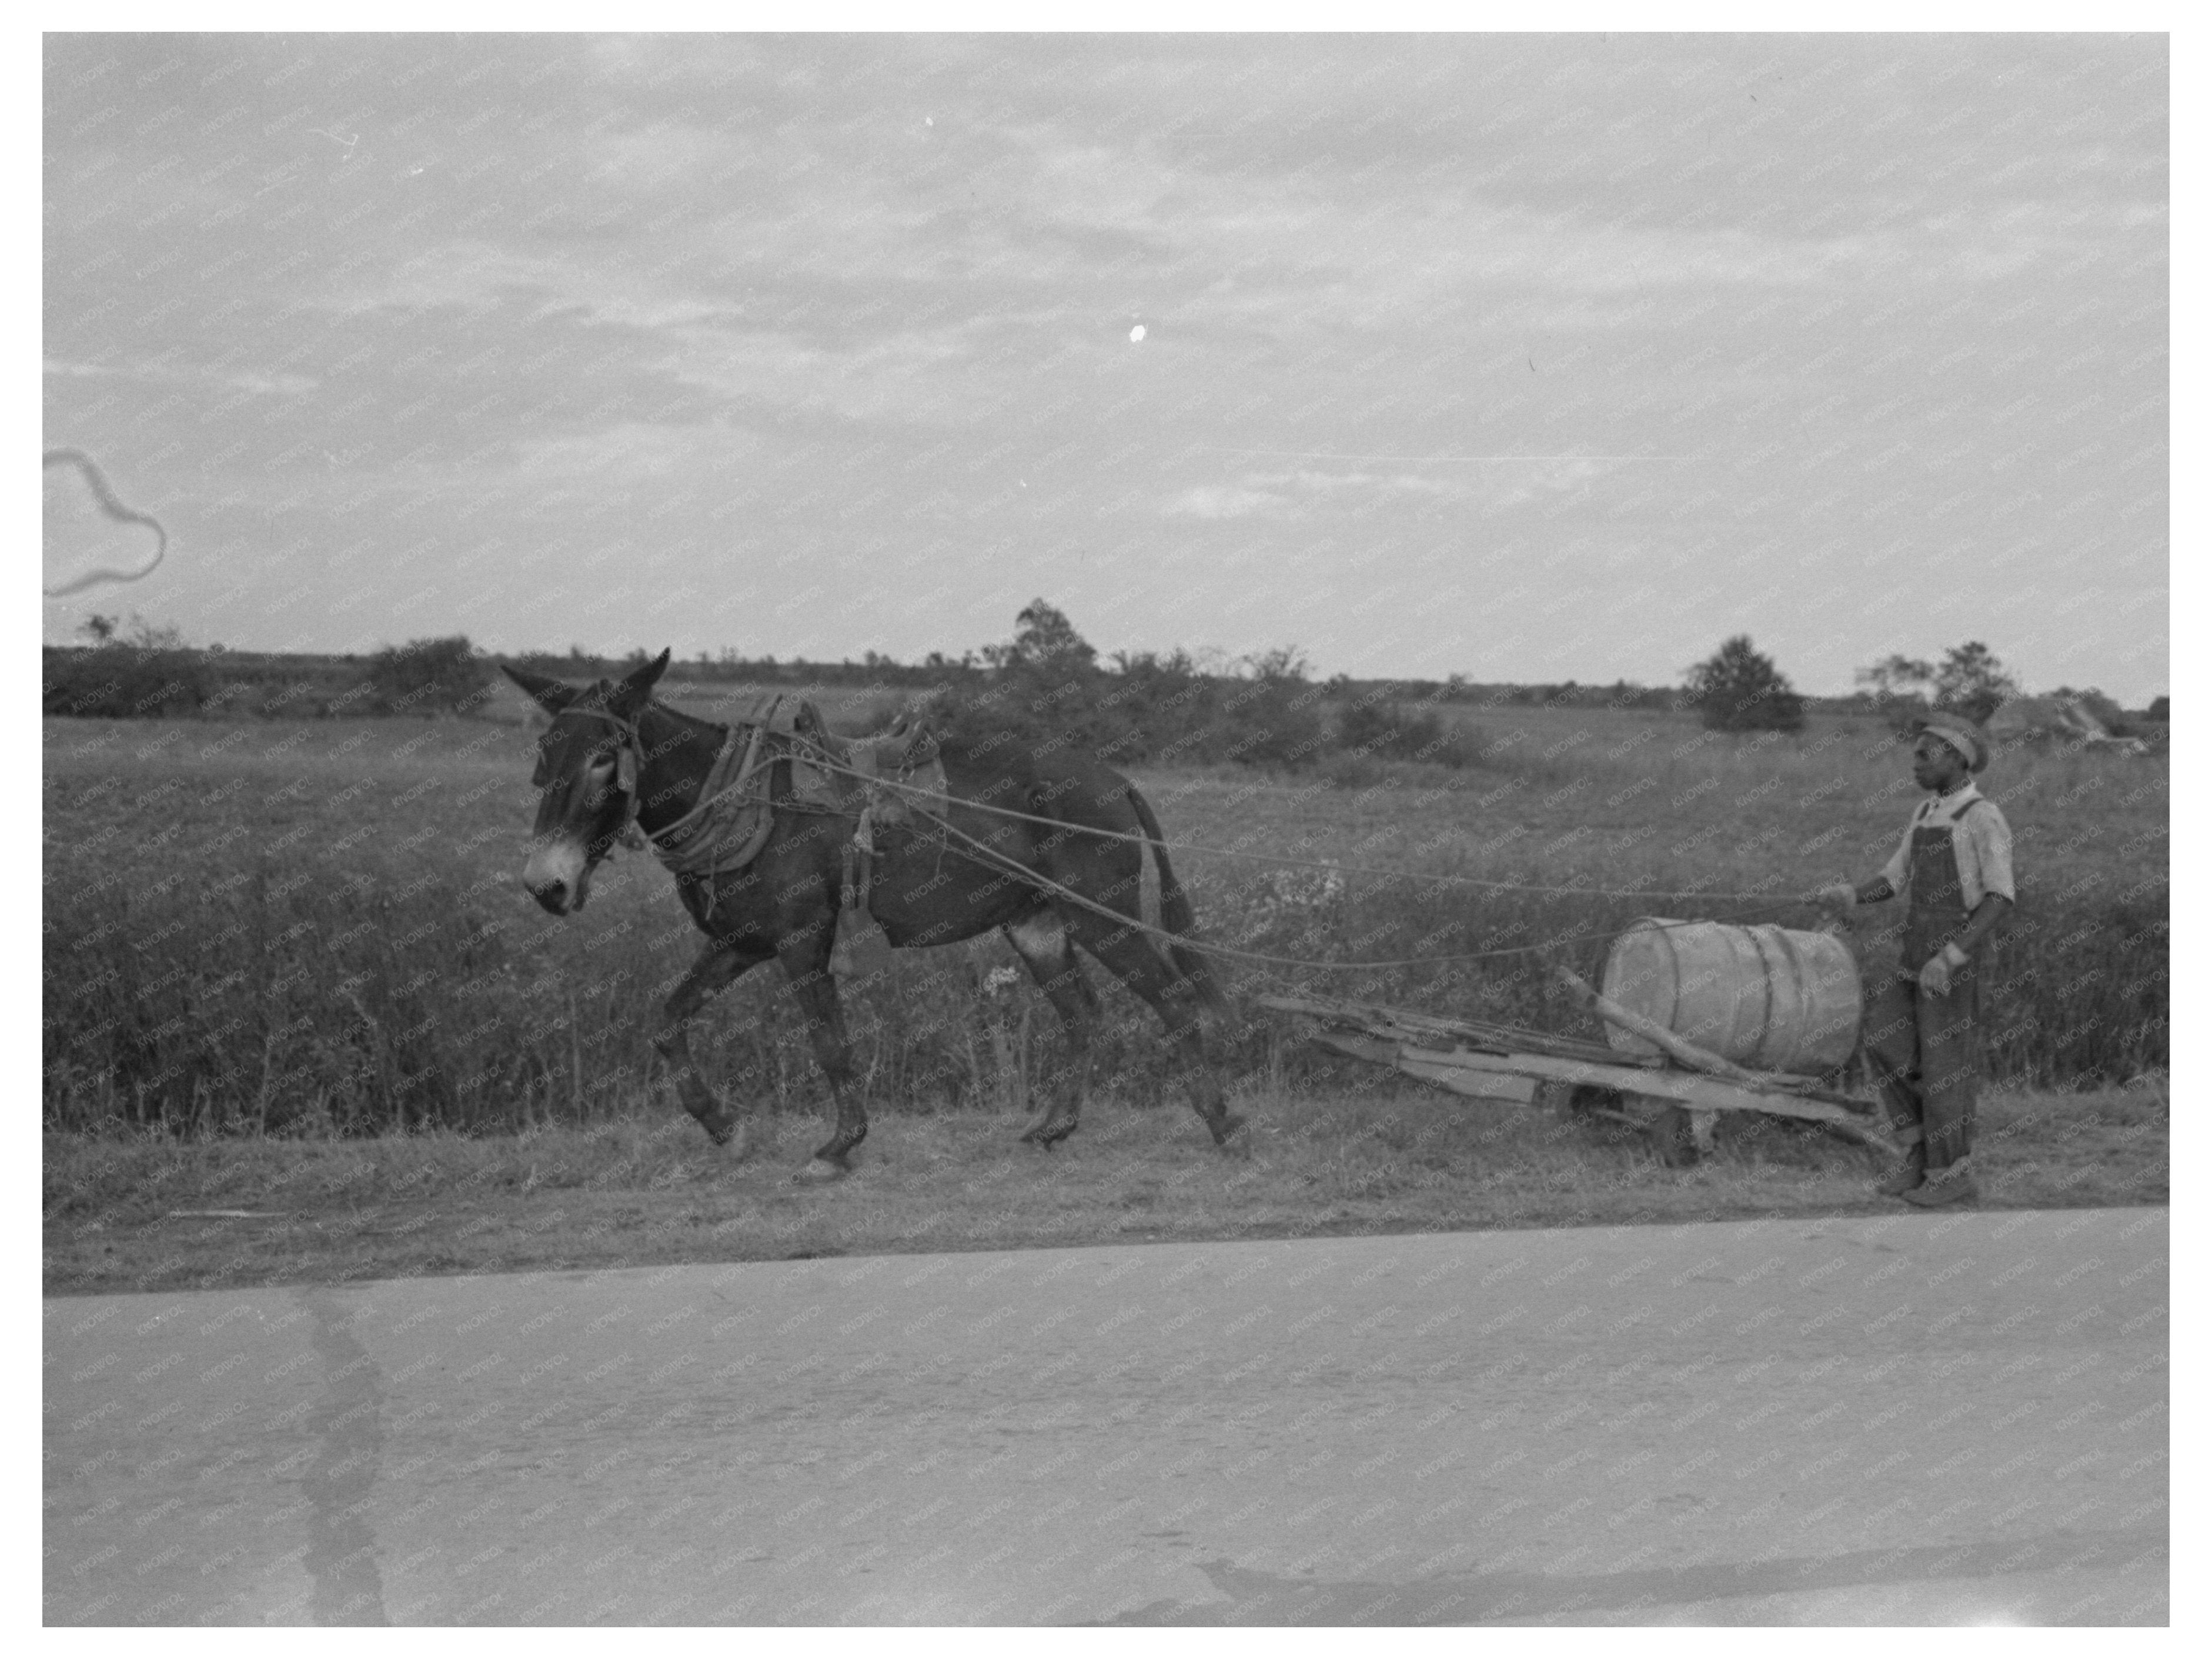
(586, 777)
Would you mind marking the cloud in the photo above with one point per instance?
(1224, 501)
(910, 266)
(275, 385)
(615, 467)
(632, 450)
(707, 337)
(1296, 492)
(1371, 485)
(863, 378)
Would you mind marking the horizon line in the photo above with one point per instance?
(1323, 455)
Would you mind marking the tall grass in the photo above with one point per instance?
(318, 931)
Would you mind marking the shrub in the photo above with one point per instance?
(1273, 716)
(1972, 681)
(151, 674)
(1739, 689)
(1045, 688)
(1163, 703)
(427, 676)
(1386, 730)
(1969, 681)
(1900, 687)
(1042, 690)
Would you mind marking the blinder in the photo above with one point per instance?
(625, 764)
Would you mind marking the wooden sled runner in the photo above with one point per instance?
(1501, 1062)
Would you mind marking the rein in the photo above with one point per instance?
(629, 761)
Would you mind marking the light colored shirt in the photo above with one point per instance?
(1981, 842)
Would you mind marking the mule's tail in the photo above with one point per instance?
(1176, 913)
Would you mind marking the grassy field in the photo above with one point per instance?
(120, 1209)
(260, 936)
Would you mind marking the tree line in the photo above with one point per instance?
(1738, 689)
(1046, 682)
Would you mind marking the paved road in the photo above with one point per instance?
(1918, 1419)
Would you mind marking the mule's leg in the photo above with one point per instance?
(718, 964)
(1043, 944)
(806, 958)
(1129, 955)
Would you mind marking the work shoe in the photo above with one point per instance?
(1929, 1194)
(1906, 1176)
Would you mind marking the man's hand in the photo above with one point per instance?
(1836, 898)
(1936, 973)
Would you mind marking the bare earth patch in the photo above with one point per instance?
(129, 1213)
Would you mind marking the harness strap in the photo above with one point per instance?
(859, 862)
(695, 844)
(719, 781)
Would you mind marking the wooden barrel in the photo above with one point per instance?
(1765, 997)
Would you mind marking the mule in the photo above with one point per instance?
(613, 755)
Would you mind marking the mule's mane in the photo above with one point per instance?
(600, 699)
(653, 703)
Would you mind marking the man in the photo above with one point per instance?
(1955, 871)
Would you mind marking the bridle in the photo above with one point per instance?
(630, 763)
(629, 755)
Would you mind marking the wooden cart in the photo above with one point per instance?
(1676, 1097)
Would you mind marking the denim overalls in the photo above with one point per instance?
(1925, 1049)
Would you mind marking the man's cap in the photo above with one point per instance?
(1961, 734)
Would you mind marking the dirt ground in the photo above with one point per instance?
(155, 1213)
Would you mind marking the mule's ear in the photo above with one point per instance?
(550, 696)
(637, 685)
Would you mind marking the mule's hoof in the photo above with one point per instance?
(820, 1171)
(1049, 1135)
(1229, 1128)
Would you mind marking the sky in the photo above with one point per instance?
(1527, 358)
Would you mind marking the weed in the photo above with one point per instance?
(308, 931)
